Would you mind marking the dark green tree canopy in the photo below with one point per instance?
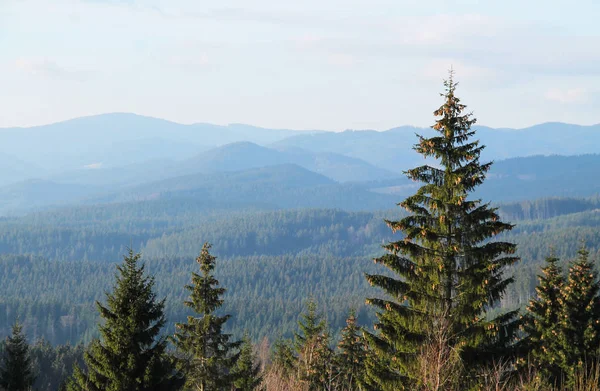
(16, 372)
(247, 372)
(131, 353)
(311, 325)
(209, 354)
(352, 355)
(542, 323)
(445, 266)
(580, 315)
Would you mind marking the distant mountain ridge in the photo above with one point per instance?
(246, 155)
(392, 149)
(119, 139)
(109, 154)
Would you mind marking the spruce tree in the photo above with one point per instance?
(311, 325)
(543, 323)
(247, 371)
(352, 355)
(209, 352)
(284, 358)
(446, 266)
(580, 316)
(322, 371)
(312, 346)
(130, 354)
(16, 373)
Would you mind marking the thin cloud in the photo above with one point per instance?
(573, 95)
(48, 68)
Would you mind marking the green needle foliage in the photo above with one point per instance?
(543, 322)
(580, 316)
(315, 357)
(247, 370)
(352, 355)
(16, 373)
(284, 358)
(311, 325)
(130, 354)
(445, 266)
(209, 353)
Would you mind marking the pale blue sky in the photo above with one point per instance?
(310, 64)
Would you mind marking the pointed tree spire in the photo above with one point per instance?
(16, 372)
(312, 347)
(131, 354)
(542, 323)
(247, 369)
(351, 355)
(311, 325)
(209, 353)
(446, 264)
(580, 316)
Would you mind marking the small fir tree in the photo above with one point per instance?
(312, 346)
(445, 265)
(284, 358)
(247, 370)
(351, 355)
(311, 325)
(543, 324)
(131, 353)
(16, 373)
(580, 317)
(209, 353)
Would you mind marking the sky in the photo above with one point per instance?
(310, 64)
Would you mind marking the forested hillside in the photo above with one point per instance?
(271, 260)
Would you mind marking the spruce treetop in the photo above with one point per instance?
(16, 373)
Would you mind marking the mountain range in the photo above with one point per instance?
(122, 139)
(128, 158)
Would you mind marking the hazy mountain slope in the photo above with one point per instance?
(233, 157)
(543, 176)
(111, 177)
(281, 186)
(13, 169)
(33, 194)
(246, 155)
(392, 149)
(525, 178)
(121, 138)
(336, 166)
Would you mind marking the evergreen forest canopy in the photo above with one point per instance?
(463, 294)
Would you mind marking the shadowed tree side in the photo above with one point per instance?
(542, 324)
(580, 317)
(16, 373)
(247, 372)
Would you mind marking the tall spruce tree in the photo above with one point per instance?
(16, 373)
(352, 355)
(580, 317)
(247, 370)
(210, 355)
(446, 266)
(131, 353)
(543, 324)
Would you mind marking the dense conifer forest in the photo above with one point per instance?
(465, 293)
